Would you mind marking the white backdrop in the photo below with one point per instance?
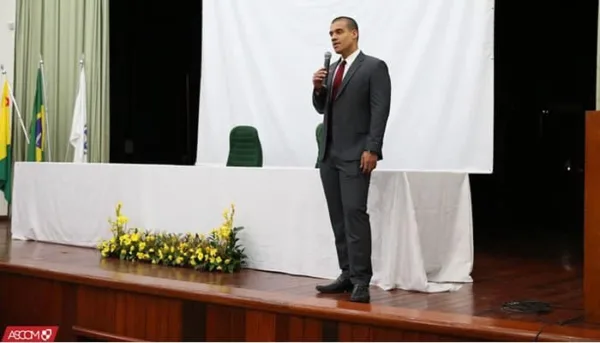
(258, 58)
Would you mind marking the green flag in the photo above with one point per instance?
(37, 133)
(5, 143)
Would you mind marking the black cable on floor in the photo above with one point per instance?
(559, 323)
(527, 306)
(537, 308)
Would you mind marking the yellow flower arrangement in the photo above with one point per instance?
(218, 251)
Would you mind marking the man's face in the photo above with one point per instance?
(341, 37)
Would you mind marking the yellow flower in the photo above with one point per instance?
(219, 260)
(140, 255)
(135, 237)
(200, 255)
(178, 260)
(122, 220)
(142, 246)
(225, 232)
(125, 239)
(227, 261)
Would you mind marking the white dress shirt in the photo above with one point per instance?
(349, 61)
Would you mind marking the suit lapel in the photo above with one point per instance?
(353, 68)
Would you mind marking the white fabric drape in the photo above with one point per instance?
(421, 222)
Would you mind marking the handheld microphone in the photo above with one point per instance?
(326, 66)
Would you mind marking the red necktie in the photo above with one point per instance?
(337, 81)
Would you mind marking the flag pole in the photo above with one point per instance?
(46, 109)
(14, 101)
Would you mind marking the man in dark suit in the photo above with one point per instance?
(355, 103)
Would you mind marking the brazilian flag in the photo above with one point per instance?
(37, 134)
(5, 143)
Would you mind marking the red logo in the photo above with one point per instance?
(30, 334)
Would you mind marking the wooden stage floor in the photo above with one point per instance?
(552, 276)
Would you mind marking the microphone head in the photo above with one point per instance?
(326, 65)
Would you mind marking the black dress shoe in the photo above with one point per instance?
(360, 294)
(341, 285)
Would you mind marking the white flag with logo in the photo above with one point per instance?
(78, 138)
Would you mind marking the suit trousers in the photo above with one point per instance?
(346, 190)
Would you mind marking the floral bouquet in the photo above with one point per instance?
(217, 251)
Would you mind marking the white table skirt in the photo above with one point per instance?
(421, 222)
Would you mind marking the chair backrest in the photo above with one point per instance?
(245, 149)
(319, 136)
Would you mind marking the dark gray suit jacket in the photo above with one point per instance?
(357, 117)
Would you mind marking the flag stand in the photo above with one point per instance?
(80, 83)
(12, 135)
(46, 115)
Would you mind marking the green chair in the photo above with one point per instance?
(245, 149)
(319, 134)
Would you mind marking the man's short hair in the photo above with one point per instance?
(352, 24)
